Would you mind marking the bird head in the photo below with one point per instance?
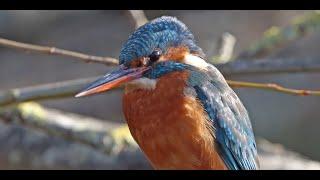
(153, 50)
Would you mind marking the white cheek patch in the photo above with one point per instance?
(144, 83)
(195, 61)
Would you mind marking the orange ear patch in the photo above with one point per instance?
(175, 53)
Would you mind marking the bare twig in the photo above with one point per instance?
(277, 37)
(269, 66)
(272, 87)
(70, 88)
(238, 67)
(57, 51)
(138, 17)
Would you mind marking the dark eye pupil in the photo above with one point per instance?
(155, 55)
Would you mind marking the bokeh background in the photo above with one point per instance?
(292, 121)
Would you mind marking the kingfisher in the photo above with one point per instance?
(179, 108)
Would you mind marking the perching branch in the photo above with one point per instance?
(273, 87)
(238, 67)
(269, 66)
(46, 91)
(277, 37)
(70, 88)
(57, 51)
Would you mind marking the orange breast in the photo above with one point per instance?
(170, 127)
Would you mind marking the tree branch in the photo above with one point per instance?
(70, 88)
(273, 87)
(57, 51)
(45, 91)
(238, 67)
(269, 66)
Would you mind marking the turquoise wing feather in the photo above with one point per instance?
(233, 130)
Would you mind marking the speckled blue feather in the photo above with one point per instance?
(160, 33)
(233, 130)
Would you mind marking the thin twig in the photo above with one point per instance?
(269, 66)
(238, 67)
(57, 51)
(273, 87)
(70, 88)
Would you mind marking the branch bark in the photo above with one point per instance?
(57, 51)
(273, 87)
(269, 66)
(46, 91)
(70, 88)
(237, 67)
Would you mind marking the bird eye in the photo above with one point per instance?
(155, 55)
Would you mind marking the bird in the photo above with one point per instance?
(179, 108)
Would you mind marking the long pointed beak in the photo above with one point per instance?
(111, 80)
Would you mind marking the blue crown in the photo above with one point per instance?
(160, 33)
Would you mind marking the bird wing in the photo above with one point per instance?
(231, 124)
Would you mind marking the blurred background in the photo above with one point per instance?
(292, 121)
